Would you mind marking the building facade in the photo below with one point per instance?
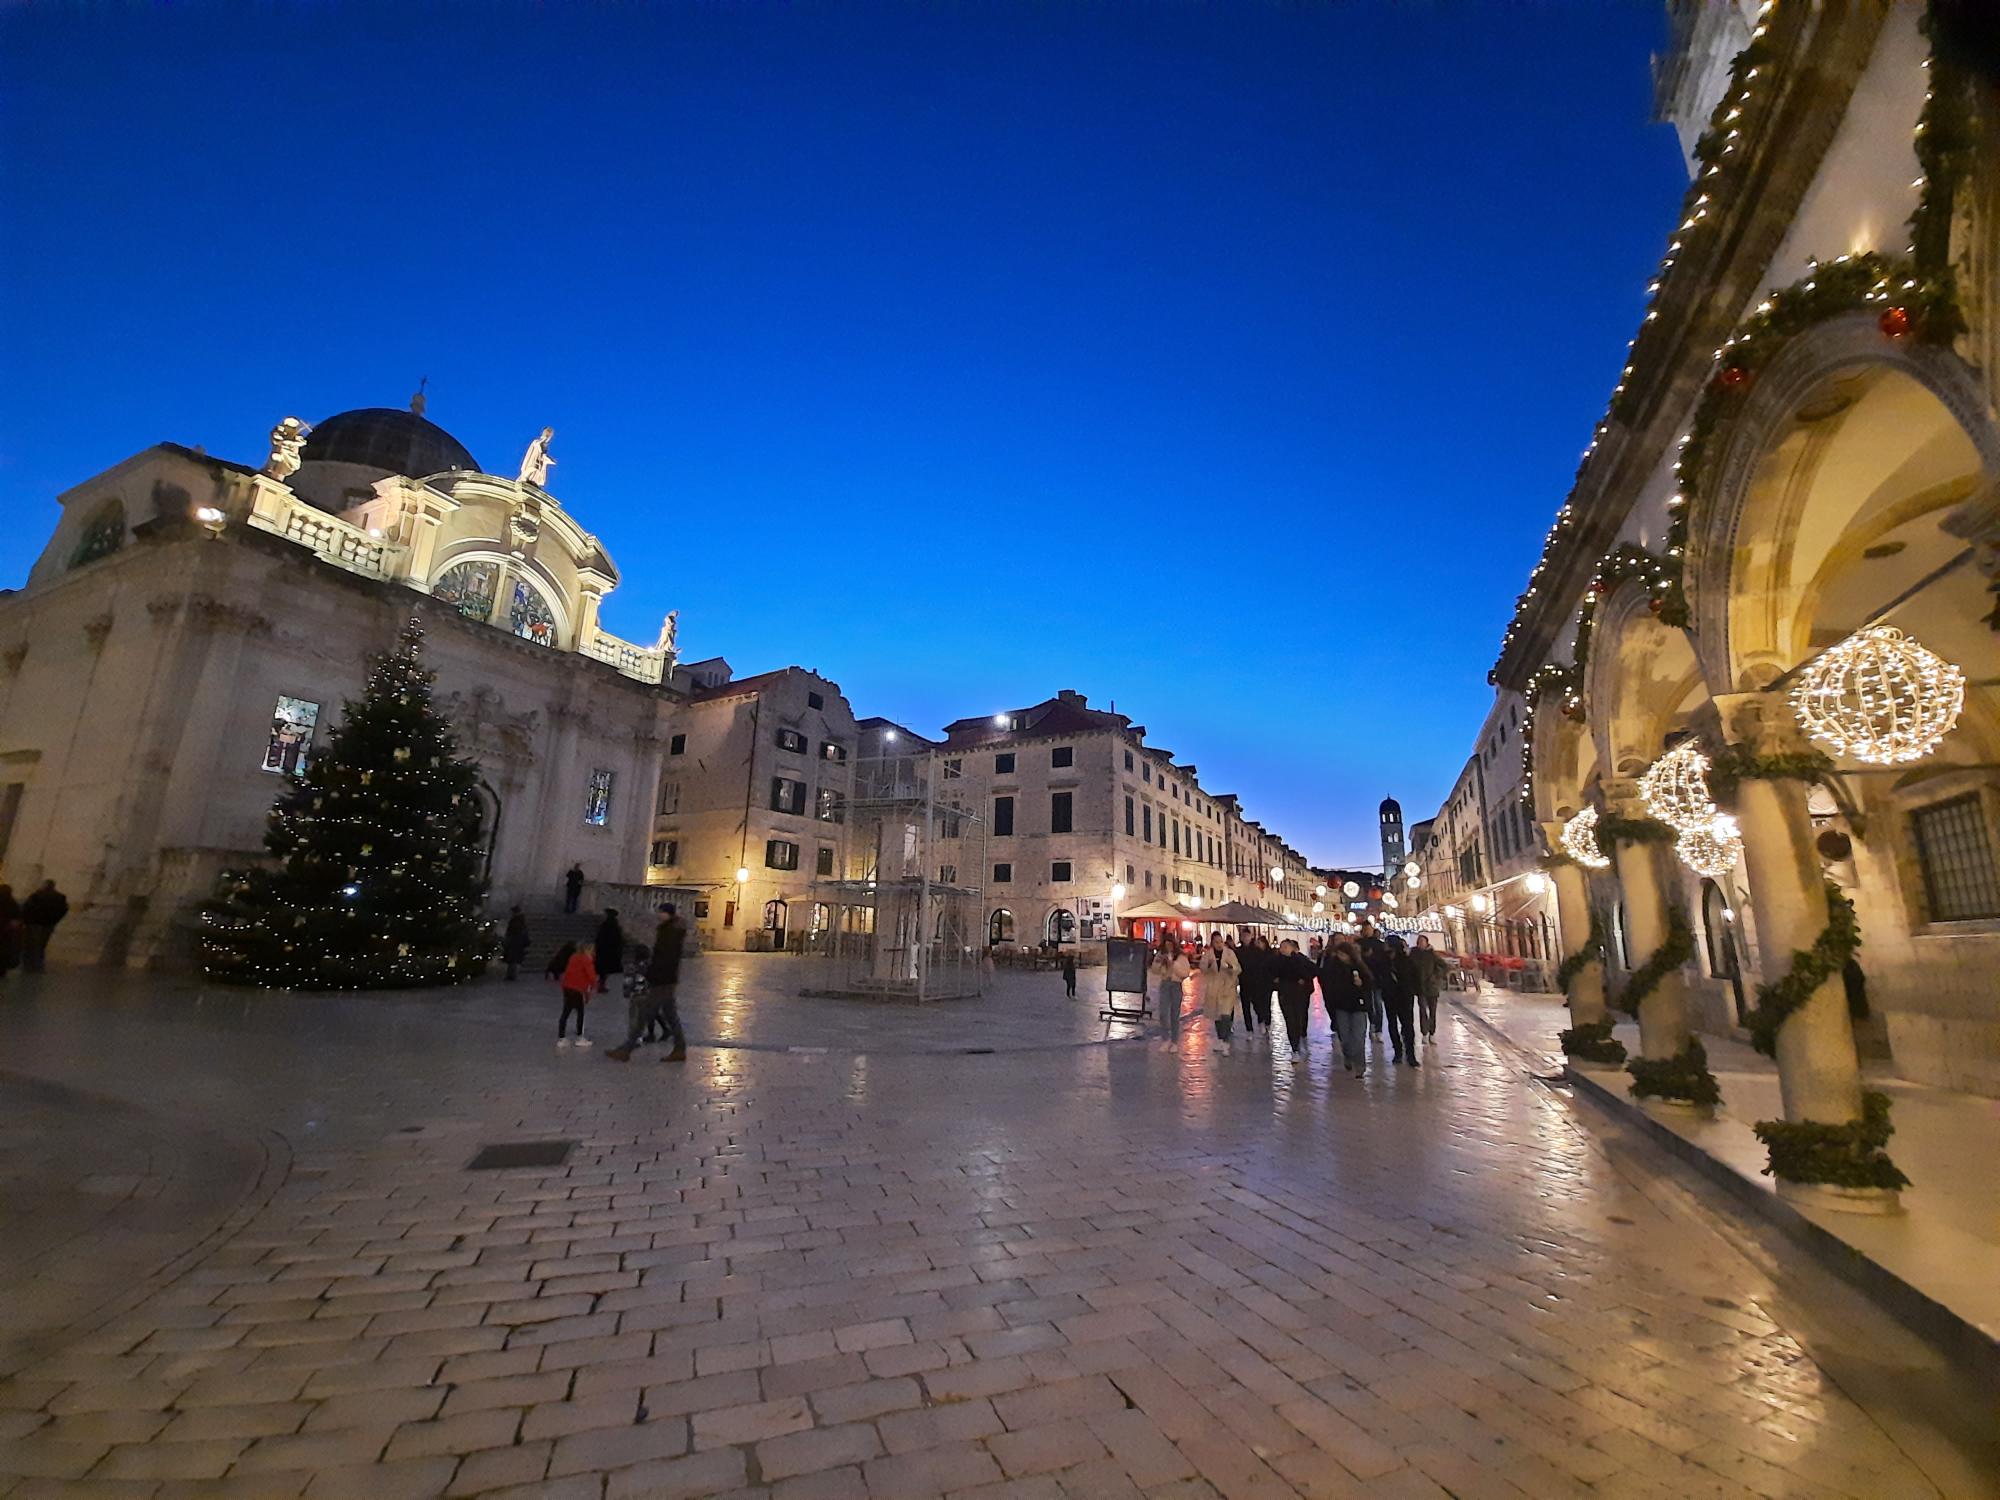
(1802, 450)
(190, 631)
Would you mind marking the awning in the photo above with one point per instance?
(1243, 913)
(1156, 911)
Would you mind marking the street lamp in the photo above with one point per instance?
(742, 874)
(1117, 894)
(1479, 904)
(1536, 883)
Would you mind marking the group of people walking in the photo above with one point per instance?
(1366, 982)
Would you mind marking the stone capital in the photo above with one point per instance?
(1623, 799)
(1764, 721)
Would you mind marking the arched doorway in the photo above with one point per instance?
(1000, 927)
(1718, 925)
(1060, 928)
(775, 913)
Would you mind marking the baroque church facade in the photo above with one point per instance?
(191, 629)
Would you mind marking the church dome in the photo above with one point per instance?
(1391, 805)
(395, 442)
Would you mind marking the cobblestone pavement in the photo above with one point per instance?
(1077, 1271)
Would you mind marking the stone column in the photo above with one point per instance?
(1819, 1073)
(1586, 991)
(1663, 1024)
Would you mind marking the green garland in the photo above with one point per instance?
(1849, 1155)
(1945, 146)
(1669, 956)
(1811, 967)
(1684, 1076)
(1733, 765)
(1593, 1042)
(1611, 828)
(1591, 952)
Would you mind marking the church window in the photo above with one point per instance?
(103, 536)
(597, 801)
(529, 615)
(468, 588)
(290, 746)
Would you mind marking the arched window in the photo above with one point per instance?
(468, 588)
(1000, 929)
(1719, 937)
(1061, 926)
(529, 614)
(103, 536)
(774, 916)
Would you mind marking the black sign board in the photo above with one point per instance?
(1125, 961)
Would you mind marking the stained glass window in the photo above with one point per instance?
(530, 616)
(290, 745)
(597, 801)
(468, 588)
(104, 536)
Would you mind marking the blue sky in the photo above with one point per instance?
(1223, 360)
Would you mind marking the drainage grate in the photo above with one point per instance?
(520, 1154)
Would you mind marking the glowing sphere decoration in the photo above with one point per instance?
(1880, 697)
(1676, 788)
(1388, 901)
(1579, 841)
(1352, 889)
(1711, 848)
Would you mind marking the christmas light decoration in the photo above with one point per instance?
(1880, 697)
(1579, 841)
(1676, 788)
(1711, 848)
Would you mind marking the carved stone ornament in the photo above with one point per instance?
(525, 529)
(96, 631)
(488, 729)
(13, 656)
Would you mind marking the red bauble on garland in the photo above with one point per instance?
(1895, 322)
(1733, 378)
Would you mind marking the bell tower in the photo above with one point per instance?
(1393, 851)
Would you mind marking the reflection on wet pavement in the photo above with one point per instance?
(888, 1269)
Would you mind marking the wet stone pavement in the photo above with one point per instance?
(894, 1270)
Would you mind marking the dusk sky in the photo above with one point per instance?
(1224, 361)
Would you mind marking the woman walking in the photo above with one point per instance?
(1170, 974)
(1219, 974)
(1429, 969)
(1343, 988)
(1294, 973)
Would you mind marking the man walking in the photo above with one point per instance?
(663, 973)
(1375, 954)
(45, 907)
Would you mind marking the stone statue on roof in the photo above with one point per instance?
(536, 463)
(670, 636)
(288, 441)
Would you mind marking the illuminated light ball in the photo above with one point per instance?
(1479, 904)
(1389, 901)
(1413, 881)
(1894, 322)
(1319, 906)
(1410, 868)
(1879, 697)
(1536, 883)
(1319, 890)
(1676, 788)
(1579, 841)
(742, 874)
(1712, 848)
(1277, 875)
(1118, 893)
(1351, 889)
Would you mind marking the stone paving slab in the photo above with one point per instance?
(1945, 1246)
(1061, 1273)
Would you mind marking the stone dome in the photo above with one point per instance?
(1391, 805)
(392, 441)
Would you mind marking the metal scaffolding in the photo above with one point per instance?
(901, 917)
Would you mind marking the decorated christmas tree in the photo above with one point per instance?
(377, 877)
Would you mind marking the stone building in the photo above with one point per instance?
(190, 631)
(1083, 816)
(1802, 448)
(754, 780)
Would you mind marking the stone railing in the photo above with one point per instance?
(641, 662)
(276, 509)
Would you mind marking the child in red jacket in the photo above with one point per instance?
(579, 983)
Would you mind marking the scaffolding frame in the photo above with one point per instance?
(901, 920)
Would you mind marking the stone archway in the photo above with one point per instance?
(1859, 484)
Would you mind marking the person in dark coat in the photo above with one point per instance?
(514, 943)
(663, 976)
(1429, 966)
(573, 888)
(1343, 989)
(1249, 979)
(1399, 985)
(1293, 974)
(10, 929)
(1375, 954)
(609, 950)
(1069, 974)
(44, 907)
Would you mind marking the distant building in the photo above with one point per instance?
(1392, 835)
